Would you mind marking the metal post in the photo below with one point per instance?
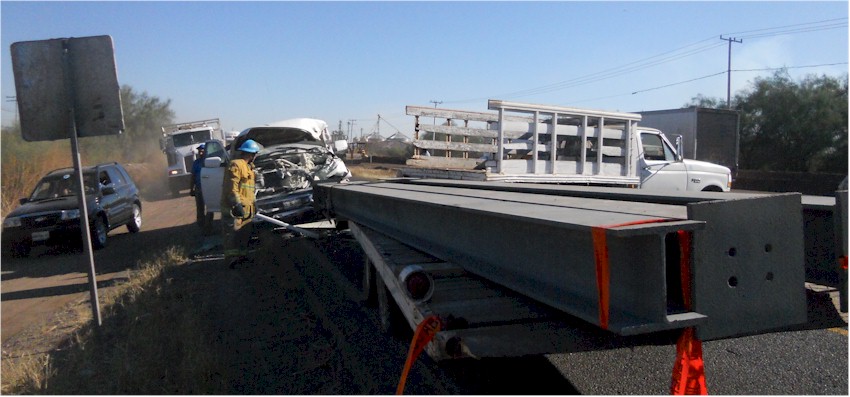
(501, 147)
(81, 195)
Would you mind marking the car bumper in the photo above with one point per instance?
(291, 208)
(64, 233)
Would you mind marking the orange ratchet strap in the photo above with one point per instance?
(425, 332)
(689, 369)
(603, 274)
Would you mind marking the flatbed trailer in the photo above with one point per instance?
(486, 319)
(514, 270)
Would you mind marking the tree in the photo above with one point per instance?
(706, 102)
(23, 163)
(791, 126)
(143, 117)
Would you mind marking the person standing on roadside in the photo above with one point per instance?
(237, 203)
(195, 189)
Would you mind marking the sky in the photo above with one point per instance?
(252, 63)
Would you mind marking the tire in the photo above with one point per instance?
(391, 320)
(135, 224)
(98, 233)
(368, 292)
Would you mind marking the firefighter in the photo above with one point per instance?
(237, 203)
(195, 189)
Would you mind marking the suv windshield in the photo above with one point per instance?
(62, 185)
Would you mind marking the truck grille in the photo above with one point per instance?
(187, 162)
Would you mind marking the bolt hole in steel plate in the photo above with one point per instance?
(741, 282)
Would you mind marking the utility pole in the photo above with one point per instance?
(729, 70)
(350, 128)
(435, 106)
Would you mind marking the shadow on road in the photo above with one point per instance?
(124, 251)
(59, 290)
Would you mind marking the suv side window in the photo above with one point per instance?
(103, 178)
(124, 174)
(115, 176)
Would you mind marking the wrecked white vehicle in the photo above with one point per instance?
(295, 154)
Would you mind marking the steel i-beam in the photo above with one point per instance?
(616, 264)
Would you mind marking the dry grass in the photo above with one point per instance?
(20, 174)
(372, 174)
(152, 341)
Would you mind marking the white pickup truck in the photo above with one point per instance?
(553, 144)
(295, 154)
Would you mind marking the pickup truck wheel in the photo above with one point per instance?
(98, 233)
(135, 224)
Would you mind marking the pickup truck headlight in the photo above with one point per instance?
(70, 214)
(12, 222)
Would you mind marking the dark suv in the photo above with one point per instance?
(51, 214)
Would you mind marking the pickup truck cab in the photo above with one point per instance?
(663, 168)
(295, 154)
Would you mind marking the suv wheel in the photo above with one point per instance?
(135, 224)
(98, 233)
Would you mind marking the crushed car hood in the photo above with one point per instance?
(287, 132)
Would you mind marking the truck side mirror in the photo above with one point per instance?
(23, 200)
(680, 147)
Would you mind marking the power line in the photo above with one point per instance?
(665, 57)
(790, 67)
(679, 83)
(832, 24)
(734, 70)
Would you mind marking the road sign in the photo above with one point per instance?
(52, 77)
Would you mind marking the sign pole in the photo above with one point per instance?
(81, 193)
